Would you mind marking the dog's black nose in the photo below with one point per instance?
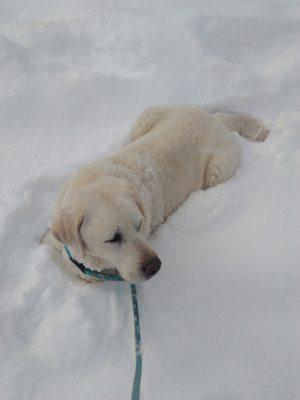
(151, 267)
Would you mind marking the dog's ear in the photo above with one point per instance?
(66, 227)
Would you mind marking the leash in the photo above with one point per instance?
(135, 393)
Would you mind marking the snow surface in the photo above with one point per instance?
(221, 320)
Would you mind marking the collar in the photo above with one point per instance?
(91, 272)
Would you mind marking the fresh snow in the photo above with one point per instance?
(221, 319)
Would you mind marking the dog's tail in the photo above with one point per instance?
(244, 124)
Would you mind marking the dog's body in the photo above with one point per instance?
(173, 151)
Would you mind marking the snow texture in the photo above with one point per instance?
(221, 319)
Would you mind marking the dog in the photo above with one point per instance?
(107, 210)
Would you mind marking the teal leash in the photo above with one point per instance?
(135, 393)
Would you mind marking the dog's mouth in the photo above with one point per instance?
(108, 274)
(110, 271)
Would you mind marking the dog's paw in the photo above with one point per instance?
(263, 134)
(255, 130)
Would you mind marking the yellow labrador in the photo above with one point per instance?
(107, 210)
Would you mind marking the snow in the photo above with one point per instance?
(220, 321)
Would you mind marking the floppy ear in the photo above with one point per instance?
(66, 227)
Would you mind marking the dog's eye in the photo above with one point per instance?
(117, 238)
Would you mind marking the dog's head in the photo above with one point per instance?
(108, 221)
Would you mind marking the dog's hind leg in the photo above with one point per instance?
(222, 163)
(244, 124)
(146, 121)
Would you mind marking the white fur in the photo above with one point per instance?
(174, 151)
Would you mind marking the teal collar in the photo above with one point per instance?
(91, 272)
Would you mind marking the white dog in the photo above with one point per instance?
(107, 210)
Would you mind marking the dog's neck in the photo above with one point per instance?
(147, 181)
